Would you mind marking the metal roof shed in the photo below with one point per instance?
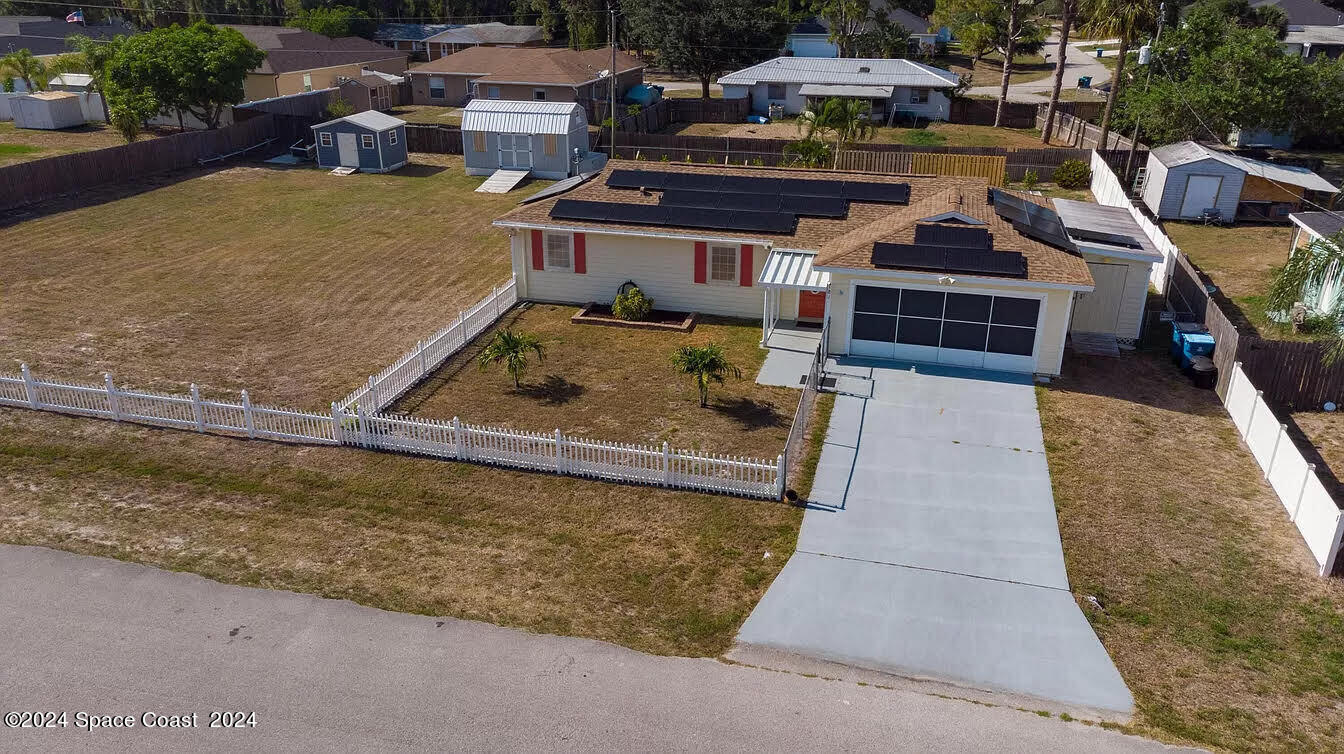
(543, 137)
(1184, 179)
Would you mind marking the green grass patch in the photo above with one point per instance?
(14, 150)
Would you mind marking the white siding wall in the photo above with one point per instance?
(1173, 188)
(663, 268)
(1134, 297)
(939, 106)
(736, 91)
(1153, 184)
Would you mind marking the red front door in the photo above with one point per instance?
(811, 305)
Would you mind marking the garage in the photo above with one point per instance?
(971, 329)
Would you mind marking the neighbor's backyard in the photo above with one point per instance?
(1242, 261)
(937, 133)
(291, 283)
(24, 144)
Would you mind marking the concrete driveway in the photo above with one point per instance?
(932, 548)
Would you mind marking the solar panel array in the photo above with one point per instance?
(1110, 239)
(678, 216)
(1031, 219)
(859, 191)
(960, 260)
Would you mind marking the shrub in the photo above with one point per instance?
(1073, 174)
(632, 306)
(633, 109)
(339, 107)
(1030, 179)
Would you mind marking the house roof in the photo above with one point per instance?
(71, 79)
(529, 65)
(848, 71)
(289, 50)
(1323, 224)
(519, 116)
(1333, 35)
(1305, 12)
(1186, 152)
(793, 269)
(842, 90)
(490, 33)
(839, 241)
(46, 36)
(370, 119)
(409, 32)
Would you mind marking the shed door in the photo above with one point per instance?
(1201, 193)
(515, 151)
(348, 150)
(1099, 311)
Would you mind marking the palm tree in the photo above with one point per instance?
(1068, 9)
(707, 363)
(93, 57)
(808, 153)
(1313, 267)
(1126, 20)
(848, 120)
(23, 65)
(510, 349)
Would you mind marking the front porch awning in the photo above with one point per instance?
(845, 90)
(793, 269)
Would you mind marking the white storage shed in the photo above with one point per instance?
(1183, 180)
(550, 139)
(47, 110)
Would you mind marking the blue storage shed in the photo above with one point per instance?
(372, 141)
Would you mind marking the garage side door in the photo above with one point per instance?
(964, 329)
(1201, 193)
(1099, 310)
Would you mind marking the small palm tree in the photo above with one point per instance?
(808, 153)
(1312, 266)
(23, 65)
(510, 349)
(705, 364)
(847, 120)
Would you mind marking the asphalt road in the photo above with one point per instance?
(102, 637)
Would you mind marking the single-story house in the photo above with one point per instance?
(524, 73)
(548, 138)
(1314, 41)
(912, 268)
(301, 61)
(1184, 179)
(1327, 292)
(1304, 12)
(372, 141)
(893, 87)
(47, 110)
(811, 38)
(408, 38)
(430, 41)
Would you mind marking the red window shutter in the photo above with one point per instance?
(701, 261)
(580, 253)
(745, 278)
(538, 251)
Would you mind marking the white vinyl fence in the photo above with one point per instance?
(556, 452)
(1108, 190)
(1308, 503)
(406, 372)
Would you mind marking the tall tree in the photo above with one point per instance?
(1067, 11)
(1126, 20)
(706, 37)
(847, 20)
(336, 21)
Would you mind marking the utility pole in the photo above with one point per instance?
(611, 35)
(1134, 135)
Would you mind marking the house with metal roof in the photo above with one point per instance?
(1190, 181)
(546, 139)
(370, 142)
(894, 87)
(910, 268)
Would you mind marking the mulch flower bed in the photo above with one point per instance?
(600, 314)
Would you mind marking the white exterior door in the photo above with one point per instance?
(348, 149)
(515, 151)
(1099, 311)
(1201, 193)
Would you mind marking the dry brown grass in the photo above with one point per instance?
(988, 71)
(1324, 432)
(293, 284)
(933, 134)
(663, 572)
(1241, 260)
(24, 144)
(1213, 612)
(617, 384)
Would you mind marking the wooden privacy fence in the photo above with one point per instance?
(695, 110)
(1080, 134)
(436, 139)
(989, 167)
(981, 112)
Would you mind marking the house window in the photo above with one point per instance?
(919, 96)
(492, 92)
(324, 138)
(539, 95)
(366, 141)
(436, 90)
(557, 251)
(307, 82)
(392, 137)
(723, 264)
(774, 91)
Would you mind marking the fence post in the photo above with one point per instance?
(247, 416)
(1302, 491)
(457, 439)
(197, 412)
(424, 366)
(372, 392)
(667, 464)
(113, 404)
(336, 424)
(462, 325)
(1274, 455)
(363, 426)
(494, 299)
(780, 481)
(29, 387)
(559, 452)
(1250, 420)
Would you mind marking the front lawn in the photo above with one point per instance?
(618, 384)
(1212, 609)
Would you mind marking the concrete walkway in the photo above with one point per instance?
(106, 637)
(1076, 63)
(932, 549)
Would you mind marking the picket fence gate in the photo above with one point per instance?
(554, 452)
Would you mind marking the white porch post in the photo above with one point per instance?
(765, 317)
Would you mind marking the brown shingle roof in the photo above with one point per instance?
(289, 49)
(529, 65)
(840, 242)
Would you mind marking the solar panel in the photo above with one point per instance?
(953, 236)
(1110, 239)
(934, 259)
(746, 184)
(686, 217)
(633, 179)
(814, 206)
(909, 256)
(693, 181)
(724, 200)
(808, 187)
(883, 193)
(768, 222)
(577, 209)
(1045, 235)
(640, 214)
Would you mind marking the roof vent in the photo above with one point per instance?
(865, 69)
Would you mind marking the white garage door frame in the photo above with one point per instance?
(956, 357)
(1194, 204)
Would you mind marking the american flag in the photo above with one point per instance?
(75, 18)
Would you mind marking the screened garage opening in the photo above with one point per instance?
(962, 329)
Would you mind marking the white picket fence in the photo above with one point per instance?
(555, 452)
(1308, 503)
(1108, 190)
(387, 386)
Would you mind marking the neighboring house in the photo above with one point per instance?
(524, 73)
(548, 138)
(372, 90)
(911, 268)
(1184, 179)
(431, 41)
(812, 37)
(44, 36)
(372, 141)
(301, 61)
(1304, 12)
(1324, 294)
(893, 87)
(1314, 41)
